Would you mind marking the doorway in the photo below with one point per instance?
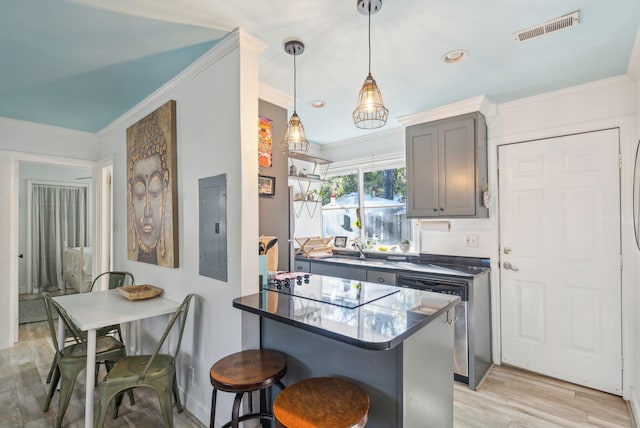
(55, 232)
(560, 258)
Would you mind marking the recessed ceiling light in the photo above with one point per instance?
(317, 104)
(454, 56)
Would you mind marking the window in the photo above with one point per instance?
(385, 208)
(340, 206)
(370, 206)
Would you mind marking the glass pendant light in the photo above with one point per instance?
(295, 139)
(370, 113)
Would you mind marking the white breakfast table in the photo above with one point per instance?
(90, 311)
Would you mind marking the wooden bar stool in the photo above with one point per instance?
(322, 402)
(247, 371)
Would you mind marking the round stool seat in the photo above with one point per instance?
(322, 402)
(248, 370)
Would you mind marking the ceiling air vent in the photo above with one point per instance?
(561, 23)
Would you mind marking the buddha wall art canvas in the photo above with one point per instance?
(152, 208)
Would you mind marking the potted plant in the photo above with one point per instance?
(405, 245)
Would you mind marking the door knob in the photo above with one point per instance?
(508, 265)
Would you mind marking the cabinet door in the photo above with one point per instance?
(347, 272)
(457, 179)
(422, 171)
(381, 277)
(301, 266)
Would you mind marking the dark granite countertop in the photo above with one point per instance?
(363, 314)
(463, 267)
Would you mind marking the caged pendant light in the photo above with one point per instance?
(370, 113)
(295, 139)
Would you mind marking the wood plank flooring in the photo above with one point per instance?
(510, 397)
(23, 372)
(507, 398)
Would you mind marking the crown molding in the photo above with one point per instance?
(274, 95)
(250, 42)
(621, 79)
(43, 158)
(481, 103)
(232, 41)
(364, 139)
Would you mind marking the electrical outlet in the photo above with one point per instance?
(471, 241)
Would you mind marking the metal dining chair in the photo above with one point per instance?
(116, 279)
(71, 359)
(156, 371)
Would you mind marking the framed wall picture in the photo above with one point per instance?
(266, 185)
(265, 142)
(340, 241)
(152, 196)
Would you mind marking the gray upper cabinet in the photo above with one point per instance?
(447, 167)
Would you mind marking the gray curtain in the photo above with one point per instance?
(59, 216)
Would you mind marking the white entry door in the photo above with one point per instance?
(560, 258)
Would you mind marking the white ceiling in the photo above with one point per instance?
(80, 64)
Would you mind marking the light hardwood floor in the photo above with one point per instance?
(511, 397)
(508, 397)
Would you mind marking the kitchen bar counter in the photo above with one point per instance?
(363, 314)
(396, 343)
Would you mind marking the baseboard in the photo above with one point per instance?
(634, 403)
(197, 410)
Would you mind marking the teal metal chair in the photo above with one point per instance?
(156, 371)
(70, 360)
(116, 279)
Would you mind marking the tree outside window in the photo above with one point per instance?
(382, 211)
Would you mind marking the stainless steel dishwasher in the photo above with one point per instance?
(472, 329)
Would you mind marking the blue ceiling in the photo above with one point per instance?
(80, 64)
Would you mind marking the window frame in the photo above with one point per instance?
(362, 166)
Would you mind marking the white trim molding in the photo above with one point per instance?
(273, 95)
(481, 103)
(634, 404)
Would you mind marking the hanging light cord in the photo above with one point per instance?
(369, 37)
(294, 81)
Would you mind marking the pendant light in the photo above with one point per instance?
(295, 139)
(370, 113)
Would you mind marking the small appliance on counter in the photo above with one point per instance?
(267, 256)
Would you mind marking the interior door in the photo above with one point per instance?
(560, 258)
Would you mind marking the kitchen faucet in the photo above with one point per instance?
(358, 245)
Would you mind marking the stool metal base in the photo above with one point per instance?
(263, 414)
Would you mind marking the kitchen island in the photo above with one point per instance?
(397, 343)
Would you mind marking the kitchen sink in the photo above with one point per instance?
(358, 261)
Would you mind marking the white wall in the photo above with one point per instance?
(217, 111)
(25, 141)
(32, 171)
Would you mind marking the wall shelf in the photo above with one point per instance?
(305, 185)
